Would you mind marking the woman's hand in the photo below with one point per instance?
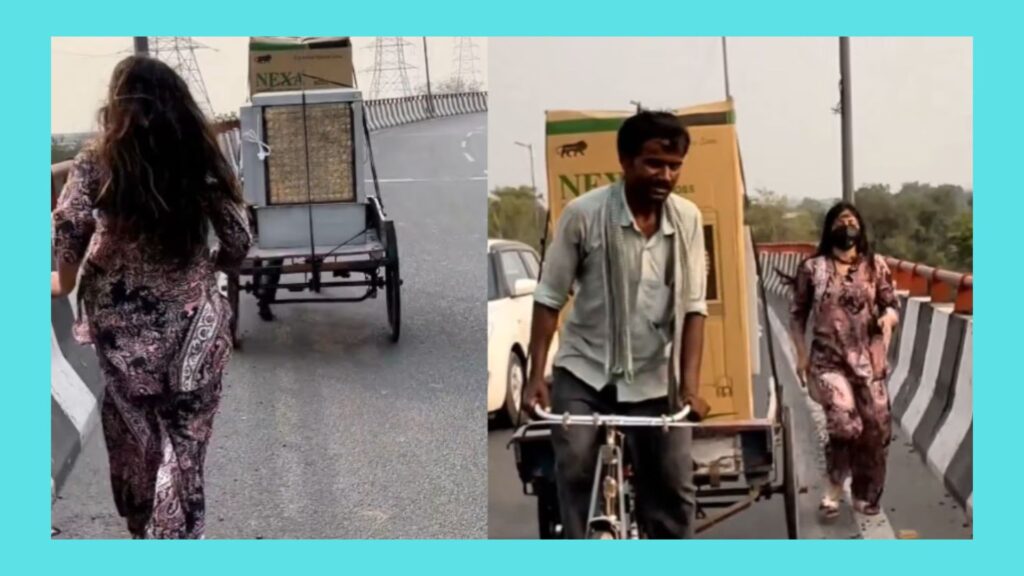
(887, 322)
(803, 365)
(55, 290)
(63, 280)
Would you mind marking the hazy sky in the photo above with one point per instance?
(80, 71)
(912, 102)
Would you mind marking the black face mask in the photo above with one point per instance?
(844, 237)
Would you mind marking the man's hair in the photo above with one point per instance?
(650, 125)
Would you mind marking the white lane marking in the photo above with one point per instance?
(871, 527)
(464, 143)
(67, 388)
(468, 157)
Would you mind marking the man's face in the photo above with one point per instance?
(654, 172)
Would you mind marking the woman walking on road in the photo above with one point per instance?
(850, 292)
(134, 216)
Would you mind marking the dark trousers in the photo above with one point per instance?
(661, 461)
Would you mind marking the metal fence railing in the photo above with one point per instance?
(942, 286)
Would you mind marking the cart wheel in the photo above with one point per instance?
(233, 296)
(548, 519)
(790, 481)
(394, 296)
(266, 283)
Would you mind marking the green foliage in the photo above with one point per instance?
(922, 223)
(775, 218)
(515, 214)
(61, 151)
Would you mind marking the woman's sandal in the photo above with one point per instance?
(866, 508)
(829, 507)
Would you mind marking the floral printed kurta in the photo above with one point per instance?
(162, 334)
(848, 366)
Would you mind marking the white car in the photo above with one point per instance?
(512, 272)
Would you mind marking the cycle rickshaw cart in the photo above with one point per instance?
(304, 157)
(738, 459)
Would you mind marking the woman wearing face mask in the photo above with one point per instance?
(850, 292)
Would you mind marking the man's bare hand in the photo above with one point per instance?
(537, 393)
(699, 408)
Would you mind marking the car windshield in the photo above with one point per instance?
(492, 281)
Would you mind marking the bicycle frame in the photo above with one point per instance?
(610, 514)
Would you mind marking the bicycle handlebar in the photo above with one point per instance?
(675, 420)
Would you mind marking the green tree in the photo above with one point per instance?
(513, 213)
(922, 223)
(961, 243)
(773, 218)
(61, 150)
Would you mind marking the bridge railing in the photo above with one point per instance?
(389, 112)
(942, 286)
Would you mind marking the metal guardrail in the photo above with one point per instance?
(942, 286)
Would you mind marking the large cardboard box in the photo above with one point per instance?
(278, 63)
(581, 155)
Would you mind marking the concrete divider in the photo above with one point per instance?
(76, 389)
(932, 389)
(390, 112)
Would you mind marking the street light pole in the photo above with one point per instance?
(426, 66)
(533, 178)
(141, 45)
(847, 119)
(725, 69)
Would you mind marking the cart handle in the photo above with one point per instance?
(677, 420)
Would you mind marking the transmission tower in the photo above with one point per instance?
(179, 52)
(390, 72)
(466, 64)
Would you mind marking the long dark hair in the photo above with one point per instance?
(826, 246)
(163, 170)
